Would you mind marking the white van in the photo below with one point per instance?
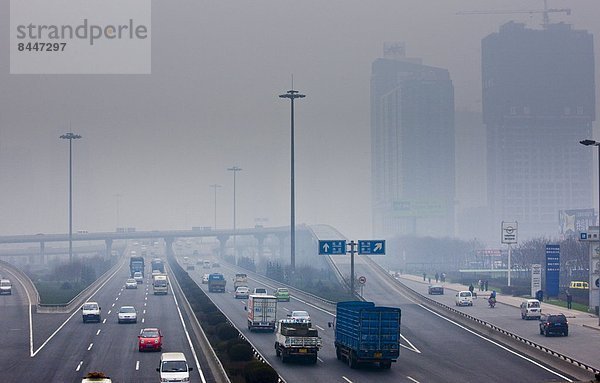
(464, 298)
(90, 312)
(531, 308)
(173, 367)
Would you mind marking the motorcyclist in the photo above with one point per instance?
(492, 299)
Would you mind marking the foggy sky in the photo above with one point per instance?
(211, 102)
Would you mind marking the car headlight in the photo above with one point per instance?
(164, 379)
(185, 379)
(141, 341)
(155, 340)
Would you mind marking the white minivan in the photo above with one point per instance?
(173, 367)
(531, 308)
(464, 298)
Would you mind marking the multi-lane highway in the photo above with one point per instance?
(77, 348)
(434, 347)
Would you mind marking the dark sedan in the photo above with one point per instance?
(436, 290)
(554, 324)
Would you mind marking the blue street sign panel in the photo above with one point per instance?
(371, 247)
(335, 247)
(583, 236)
(552, 270)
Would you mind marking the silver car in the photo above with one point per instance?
(127, 314)
(131, 283)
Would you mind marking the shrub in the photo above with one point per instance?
(258, 372)
(215, 318)
(240, 352)
(226, 332)
(66, 286)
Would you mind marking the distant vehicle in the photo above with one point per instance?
(262, 312)
(190, 267)
(155, 272)
(240, 279)
(5, 287)
(136, 264)
(127, 314)
(216, 283)
(300, 316)
(96, 377)
(186, 260)
(90, 311)
(554, 324)
(296, 339)
(150, 339)
(260, 291)
(173, 367)
(216, 264)
(353, 320)
(579, 285)
(464, 298)
(205, 279)
(242, 292)
(531, 308)
(282, 294)
(435, 290)
(131, 283)
(206, 264)
(82, 232)
(157, 264)
(138, 277)
(160, 284)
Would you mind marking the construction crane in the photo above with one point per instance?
(546, 12)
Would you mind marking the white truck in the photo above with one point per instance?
(239, 280)
(5, 286)
(91, 312)
(160, 284)
(262, 312)
(295, 339)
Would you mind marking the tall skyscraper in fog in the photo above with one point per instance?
(538, 103)
(412, 143)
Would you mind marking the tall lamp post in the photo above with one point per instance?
(70, 136)
(292, 95)
(596, 144)
(234, 169)
(215, 187)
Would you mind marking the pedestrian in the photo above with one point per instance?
(480, 285)
(429, 280)
(486, 285)
(471, 288)
(569, 299)
(443, 276)
(437, 277)
(424, 275)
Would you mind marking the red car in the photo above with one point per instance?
(150, 339)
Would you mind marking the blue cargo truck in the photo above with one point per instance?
(365, 333)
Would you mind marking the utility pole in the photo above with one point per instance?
(215, 187)
(234, 169)
(70, 136)
(292, 95)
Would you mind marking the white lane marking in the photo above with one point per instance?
(31, 353)
(412, 346)
(79, 366)
(113, 305)
(319, 327)
(98, 332)
(75, 312)
(137, 365)
(109, 312)
(146, 292)
(90, 346)
(187, 335)
(285, 309)
(104, 321)
(119, 294)
(145, 298)
(497, 344)
(143, 319)
(414, 380)
(346, 379)
(117, 298)
(144, 311)
(320, 360)
(145, 304)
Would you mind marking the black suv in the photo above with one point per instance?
(554, 324)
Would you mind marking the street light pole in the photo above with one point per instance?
(234, 169)
(70, 136)
(118, 197)
(596, 144)
(215, 187)
(292, 95)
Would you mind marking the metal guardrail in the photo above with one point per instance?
(487, 325)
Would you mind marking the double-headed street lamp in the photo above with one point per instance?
(70, 136)
(596, 144)
(292, 95)
(234, 169)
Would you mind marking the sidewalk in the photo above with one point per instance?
(577, 318)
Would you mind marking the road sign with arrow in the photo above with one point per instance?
(336, 247)
(371, 247)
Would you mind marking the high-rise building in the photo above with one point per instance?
(538, 103)
(412, 143)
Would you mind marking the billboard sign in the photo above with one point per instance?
(552, 270)
(509, 232)
(572, 222)
(536, 279)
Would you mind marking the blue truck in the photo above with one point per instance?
(365, 333)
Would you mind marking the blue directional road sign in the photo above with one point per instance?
(332, 247)
(371, 247)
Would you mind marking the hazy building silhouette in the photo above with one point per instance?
(412, 142)
(538, 103)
